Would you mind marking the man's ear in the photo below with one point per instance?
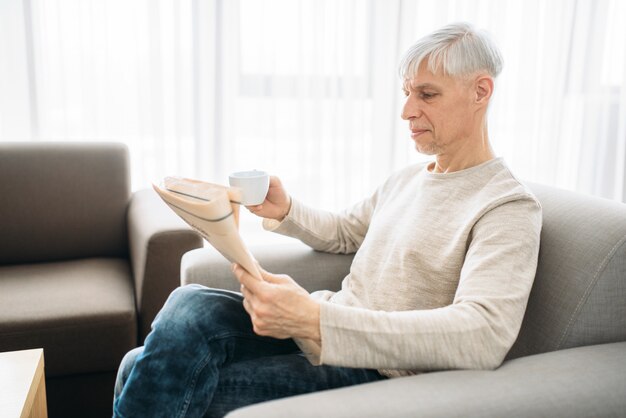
(483, 87)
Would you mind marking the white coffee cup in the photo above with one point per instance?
(253, 184)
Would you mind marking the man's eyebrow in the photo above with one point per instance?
(424, 86)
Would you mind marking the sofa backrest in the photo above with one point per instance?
(579, 294)
(63, 200)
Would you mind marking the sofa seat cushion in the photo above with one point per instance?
(81, 312)
(573, 383)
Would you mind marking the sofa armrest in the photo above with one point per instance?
(313, 270)
(579, 382)
(158, 238)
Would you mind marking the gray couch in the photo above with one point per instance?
(84, 265)
(568, 361)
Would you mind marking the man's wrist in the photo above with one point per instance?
(287, 211)
(315, 331)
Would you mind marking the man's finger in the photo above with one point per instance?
(271, 278)
(254, 208)
(246, 306)
(246, 293)
(247, 279)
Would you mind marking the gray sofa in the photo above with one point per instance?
(569, 359)
(84, 265)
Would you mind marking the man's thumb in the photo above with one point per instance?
(272, 278)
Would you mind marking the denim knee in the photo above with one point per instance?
(184, 296)
(194, 310)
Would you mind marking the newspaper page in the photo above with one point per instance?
(213, 211)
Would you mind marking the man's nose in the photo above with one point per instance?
(410, 109)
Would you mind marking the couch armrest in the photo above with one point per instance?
(313, 270)
(158, 238)
(578, 382)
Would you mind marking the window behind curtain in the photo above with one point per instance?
(307, 89)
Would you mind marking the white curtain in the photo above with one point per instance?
(308, 89)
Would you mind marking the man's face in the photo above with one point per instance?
(439, 109)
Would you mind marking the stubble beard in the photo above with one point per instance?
(427, 149)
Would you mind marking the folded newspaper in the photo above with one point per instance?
(213, 211)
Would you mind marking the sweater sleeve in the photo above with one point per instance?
(475, 331)
(326, 231)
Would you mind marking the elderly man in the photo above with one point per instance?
(446, 254)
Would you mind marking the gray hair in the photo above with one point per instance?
(459, 48)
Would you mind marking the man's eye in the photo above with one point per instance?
(427, 96)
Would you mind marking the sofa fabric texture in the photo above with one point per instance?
(579, 294)
(85, 265)
(569, 359)
(52, 190)
(66, 306)
(580, 382)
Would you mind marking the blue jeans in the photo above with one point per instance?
(202, 359)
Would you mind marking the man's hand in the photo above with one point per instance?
(278, 306)
(277, 202)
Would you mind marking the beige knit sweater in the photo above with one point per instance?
(443, 268)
